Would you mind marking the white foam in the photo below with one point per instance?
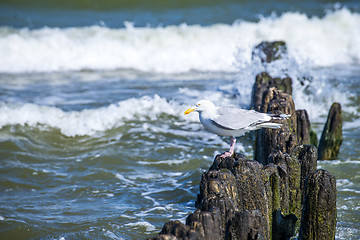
(338, 162)
(88, 121)
(147, 175)
(333, 39)
(110, 234)
(340, 183)
(162, 49)
(350, 190)
(127, 216)
(166, 162)
(353, 125)
(145, 212)
(318, 96)
(149, 227)
(312, 89)
(122, 178)
(109, 194)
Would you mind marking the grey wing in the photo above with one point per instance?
(236, 118)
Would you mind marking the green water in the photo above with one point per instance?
(93, 140)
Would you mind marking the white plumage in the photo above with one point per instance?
(231, 121)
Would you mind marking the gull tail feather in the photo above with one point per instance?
(274, 117)
(269, 125)
(279, 116)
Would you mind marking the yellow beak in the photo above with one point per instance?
(190, 110)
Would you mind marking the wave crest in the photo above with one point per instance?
(333, 39)
(88, 121)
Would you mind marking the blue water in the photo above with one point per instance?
(93, 140)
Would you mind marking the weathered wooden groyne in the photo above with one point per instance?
(278, 195)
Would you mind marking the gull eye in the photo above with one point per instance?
(198, 104)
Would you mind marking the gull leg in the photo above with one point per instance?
(231, 150)
(232, 146)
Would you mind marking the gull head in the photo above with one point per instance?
(202, 106)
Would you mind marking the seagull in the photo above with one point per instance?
(232, 121)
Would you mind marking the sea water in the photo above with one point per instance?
(93, 140)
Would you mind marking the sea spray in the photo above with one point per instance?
(87, 121)
(332, 39)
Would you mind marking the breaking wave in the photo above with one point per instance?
(332, 39)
